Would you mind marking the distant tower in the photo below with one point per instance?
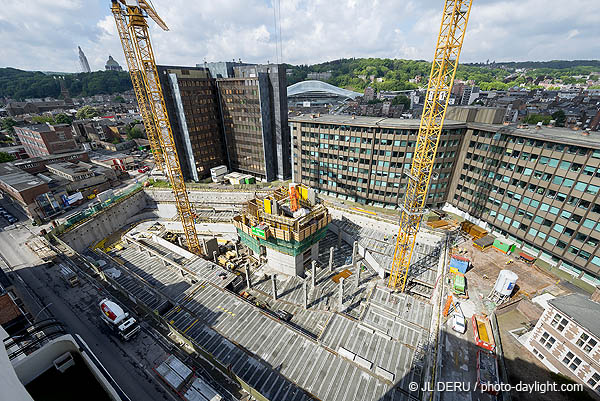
(83, 63)
(112, 65)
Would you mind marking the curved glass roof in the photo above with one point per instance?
(320, 86)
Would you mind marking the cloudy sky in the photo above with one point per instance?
(44, 34)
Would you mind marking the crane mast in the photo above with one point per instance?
(138, 86)
(152, 97)
(443, 69)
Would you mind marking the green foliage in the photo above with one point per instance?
(560, 118)
(536, 118)
(18, 84)
(134, 133)
(115, 141)
(119, 99)
(5, 157)
(43, 119)
(86, 112)
(355, 74)
(8, 124)
(62, 118)
(374, 101)
(401, 99)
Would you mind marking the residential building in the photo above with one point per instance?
(369, 93)
(469, 95)
(18, 152)
(319, 76)
(45, 139)
(193, 108)
(112, 65)
(38, 164)
(363, 159)
(83, 177)
(35, 107)
(255, 111)
(45, 355)
(566, 338)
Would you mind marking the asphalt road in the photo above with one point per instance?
(45, 294)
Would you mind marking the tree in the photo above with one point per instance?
(8, 124)
(62, 118)
(560, 118)
(116, 141)
(5, 157)
(119, 99)
(86, 112)
(43, 120)
(134, 133)
(401, 99)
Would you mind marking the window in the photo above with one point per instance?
(593, 380)
(559, 323)
(547, 340)
(586, 343)
(571, 361)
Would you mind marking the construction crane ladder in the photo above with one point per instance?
(137, 42)
(443, 69)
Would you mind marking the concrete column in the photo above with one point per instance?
(140, 249)
(236, 249)
(215, 256)
(331, 259)
(274, 281)
(357, 274)
(354, 253)
(314, 274)
(248, 283)
(305, 288)
(163, 262)
(341, 293)
(339, 243)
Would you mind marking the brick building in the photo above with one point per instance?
(45, 139)
(566, 338)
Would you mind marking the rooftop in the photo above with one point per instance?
(545, 133)
(368, 121)
(581, 309)
(18, 179)
(68, 168)
(314, 86)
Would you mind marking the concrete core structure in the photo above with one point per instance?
(286, 241)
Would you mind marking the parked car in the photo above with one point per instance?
(144, 169)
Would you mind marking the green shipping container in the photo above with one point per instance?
(459, 284)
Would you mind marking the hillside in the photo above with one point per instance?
(19, 84)
(395, 74)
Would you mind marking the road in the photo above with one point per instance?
(45, 294)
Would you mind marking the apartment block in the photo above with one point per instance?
(363, 159)
(45, 139)
(193, 108)
(566, 338)
(538, 186)
(254, 110)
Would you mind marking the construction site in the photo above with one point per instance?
(284, 298)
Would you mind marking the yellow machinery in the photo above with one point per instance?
(443, 68)
(130, 17)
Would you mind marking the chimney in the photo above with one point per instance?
(596, 294)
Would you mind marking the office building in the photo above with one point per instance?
(45, 139)
(539, 186)
(193, 108)
(254, 110)
(363, 159)
(566, 337)
(83, 61)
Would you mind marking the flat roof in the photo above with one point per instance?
(68, 168)
(48, 157)
(545, 133)
(18, 179)
(581, 309)
(368, 121)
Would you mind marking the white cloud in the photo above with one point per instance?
(44, 34)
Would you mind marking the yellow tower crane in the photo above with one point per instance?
(443, 69)
(130, 17)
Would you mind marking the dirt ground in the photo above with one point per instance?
(487, 265)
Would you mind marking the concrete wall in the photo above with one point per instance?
(104, 223)
(220, 200)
